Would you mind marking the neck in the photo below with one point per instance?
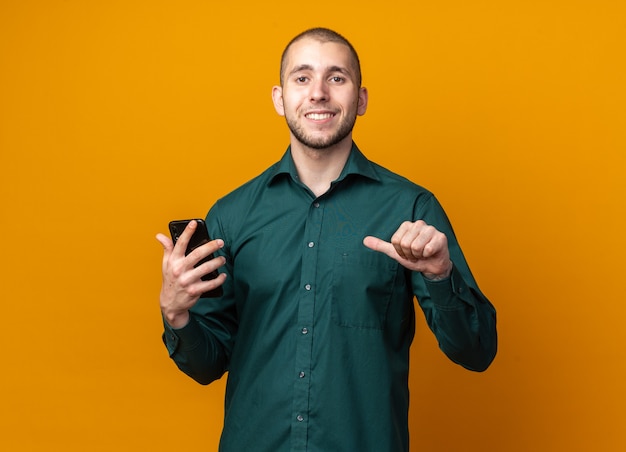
(317, 168)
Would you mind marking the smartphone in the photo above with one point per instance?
(199, 237)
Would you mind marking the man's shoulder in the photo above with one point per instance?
(396, 181)
(248, 191)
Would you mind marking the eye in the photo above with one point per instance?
(301, 79)
(337, 79)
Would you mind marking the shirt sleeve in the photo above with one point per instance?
(202, 348)
(458, 313)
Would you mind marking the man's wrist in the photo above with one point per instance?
(439, 277)
(177, 320)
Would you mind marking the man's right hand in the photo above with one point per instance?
(182, 284)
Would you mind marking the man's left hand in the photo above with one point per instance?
(418, 247)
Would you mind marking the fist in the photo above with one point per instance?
(418, 247)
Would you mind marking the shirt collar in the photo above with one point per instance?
(357, 164)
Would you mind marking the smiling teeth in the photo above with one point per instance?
(318, 116)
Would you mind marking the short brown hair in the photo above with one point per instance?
(321, 35)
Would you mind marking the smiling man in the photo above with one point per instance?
(320, 91)
(321, 259)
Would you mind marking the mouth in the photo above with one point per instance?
(319, 116)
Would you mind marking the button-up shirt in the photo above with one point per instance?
(314, 328)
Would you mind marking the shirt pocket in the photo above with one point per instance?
(362, 286)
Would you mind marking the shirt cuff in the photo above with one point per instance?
(184, 338)
(448, 292)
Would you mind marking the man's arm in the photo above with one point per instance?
(198, 332)
(460, 316)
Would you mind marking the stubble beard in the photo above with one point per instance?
(322, 142)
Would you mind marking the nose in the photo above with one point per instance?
(319, 91)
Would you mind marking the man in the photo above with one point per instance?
(320, 258)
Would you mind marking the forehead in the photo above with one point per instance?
(319, 55)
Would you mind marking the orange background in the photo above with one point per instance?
(117, 116)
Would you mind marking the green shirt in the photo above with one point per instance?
(314, 328)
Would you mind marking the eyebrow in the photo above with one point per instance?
(308, 67)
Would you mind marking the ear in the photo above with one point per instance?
(277, 98)
(362, 106)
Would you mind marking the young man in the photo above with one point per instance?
(320, 259)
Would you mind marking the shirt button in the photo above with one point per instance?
(311, 244)
(308, 287)
(305, 330)
(299, 418)
(316, 204)
(301, 375)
